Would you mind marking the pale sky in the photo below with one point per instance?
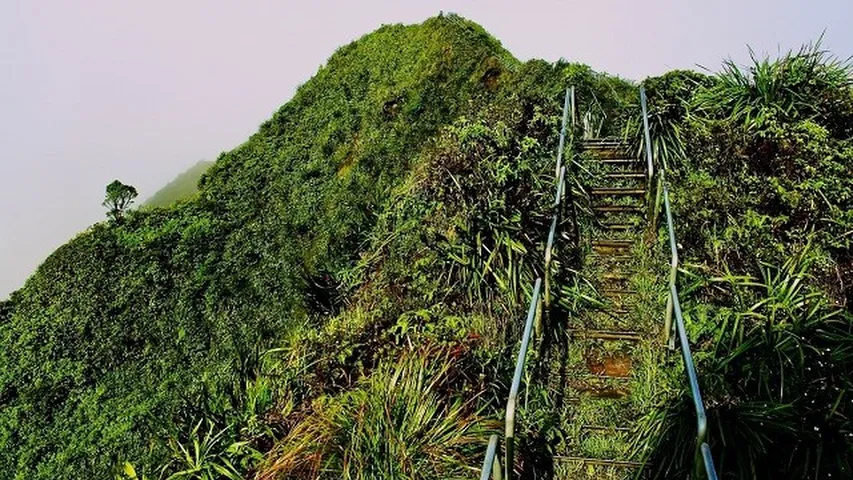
(92, 90)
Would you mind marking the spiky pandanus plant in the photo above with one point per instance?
(403, 421)
(776, 371)
(805, 84)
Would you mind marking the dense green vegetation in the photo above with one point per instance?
(182, 187)
(334, 236)
(760, 163)
(340, 298)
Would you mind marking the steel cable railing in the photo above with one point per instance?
(491, 464)
(703, 451)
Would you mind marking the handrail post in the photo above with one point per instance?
(706, 464)
(491, 464)
(574, 111)
(673, 269)
(512, 401)
(559, 176)
(647, 134)
(562, 135)
(702, 458)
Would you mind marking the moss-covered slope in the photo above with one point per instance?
(182, 187)
(132, 328)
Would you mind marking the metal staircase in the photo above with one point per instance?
(603, 341)
(610, 348)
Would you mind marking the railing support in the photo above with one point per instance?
(559, 179)
(562, 135)
(512, 401)
(574, 111)
(702, 458)
(492, 464)
(647, 135)
(673, 269)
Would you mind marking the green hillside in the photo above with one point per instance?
(343, 296)
(182, 187)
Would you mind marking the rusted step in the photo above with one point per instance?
(599, 461)
(618, 226)
(612, 243)
(605, 428)
(618, 208)
(637, 175)
(617, 291)
(602, 391)
(617, 191)
(626, 335)
(612, 366)
(619, 160)
(613, 256)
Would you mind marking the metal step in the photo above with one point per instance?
(612, 243)
(627, 335)
(594, 142)
(617, 191)
(639, 175)
(605, 428)
(599, 461)
(619, 226)
(620, 161)
(617, 291)
(620, 257)
(619, 208)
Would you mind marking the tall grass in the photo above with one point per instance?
(800, 85)
(401, 422)
(776, 360)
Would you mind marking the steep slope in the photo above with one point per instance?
(343, 296)
(133, 328)
(372, 218)
(183, 186)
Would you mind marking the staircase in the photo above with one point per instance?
(610, 347)
(602, 360)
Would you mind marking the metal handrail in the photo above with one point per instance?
(491, 465)
(491, 462)
(512, 400)
(651, 165)
(592, 131)
(674, 306)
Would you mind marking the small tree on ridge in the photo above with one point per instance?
(119, 197)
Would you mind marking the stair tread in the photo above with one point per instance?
(600, 461)
(610, 241)
(617, 191)
(618, 208)
(641, 175)
(626, 335)
(618, 290)
(606, 428)
(618, 226)
(614, 256)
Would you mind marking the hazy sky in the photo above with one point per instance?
(140, 90)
